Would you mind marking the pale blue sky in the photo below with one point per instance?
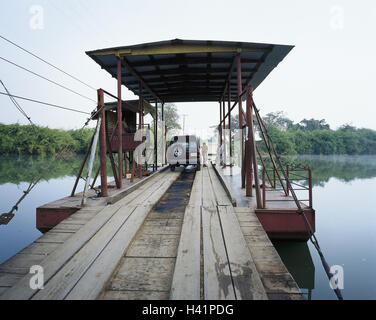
(329, 74)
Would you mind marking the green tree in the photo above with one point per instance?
(171, 116)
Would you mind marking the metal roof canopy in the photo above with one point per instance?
(190, 70)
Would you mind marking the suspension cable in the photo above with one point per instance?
(49, 80)
(44, 103)
(300, 211)
(6, 217)
(16, 103)
(50, 64)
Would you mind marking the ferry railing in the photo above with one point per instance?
(296, 175)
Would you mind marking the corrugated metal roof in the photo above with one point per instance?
(190, 70)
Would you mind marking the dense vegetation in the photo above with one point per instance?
(16, 139)
(316, 137)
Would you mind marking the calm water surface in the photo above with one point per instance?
(344, 192)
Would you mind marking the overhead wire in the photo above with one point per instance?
(49, 63)
(44, 103)
(14, 101)
(43, 77)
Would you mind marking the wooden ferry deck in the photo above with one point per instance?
(208, 249)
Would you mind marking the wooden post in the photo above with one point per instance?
(102, 145)
(120, 126)
(252, 145)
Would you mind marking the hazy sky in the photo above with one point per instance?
(329, 74)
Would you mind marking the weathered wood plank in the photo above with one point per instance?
(143, 274)
(217, 277)
(54, 237)
(220, 194)
(9, 279)
(62, 282)
(186, 278)
(57, 259)
(154, 245)
(247, 282)
(44, 248)
(106, 263)
(134, 295)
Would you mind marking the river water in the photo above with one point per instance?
(344, 187)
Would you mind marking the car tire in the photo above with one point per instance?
(172, 168)
(198, 167)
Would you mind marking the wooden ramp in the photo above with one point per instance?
(83, 255)
(207, 250)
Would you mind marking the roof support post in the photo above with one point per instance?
(156, 137)
(164, 160)
(229, 120)
(102, 145)
(140, 124)
(240, 90)
(220, 124)
(251, 146)
(120, 125)
(224, 132)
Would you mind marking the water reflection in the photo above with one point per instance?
(344, 168)
(17, 169)
(298, 260)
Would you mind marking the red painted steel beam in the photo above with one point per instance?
(252, 145)
(224, 135)
(102, 145)
(240, 89)
(140, 123)
(229, 118)
(120, 126)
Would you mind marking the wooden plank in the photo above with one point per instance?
(134, 295)
(57, 259)
(9, 279)
(217, 277)
(65, 279)
(106, 263)
(227, 188)
(61, 234)
(54, 237)
(40, 248)
(247, 282)
(118, 196)
(186, 278)
(143, 274)
(220, 194)
(195, 198)
(154, 245)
